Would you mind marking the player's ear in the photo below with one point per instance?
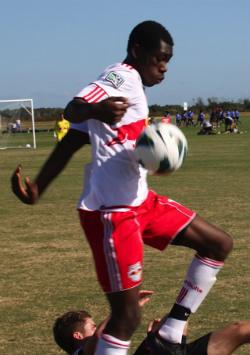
(78, 335)
(136, 51)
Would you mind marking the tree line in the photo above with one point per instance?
(200, 105)
(52, 114)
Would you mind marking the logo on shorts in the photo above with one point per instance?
(115, 79)
(135, 271)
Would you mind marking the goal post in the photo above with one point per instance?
(17, 124)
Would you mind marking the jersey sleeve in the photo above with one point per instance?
(92, 93)
(120, 81)
(115, 81)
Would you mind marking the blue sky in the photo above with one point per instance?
(51, 49)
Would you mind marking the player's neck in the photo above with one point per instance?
(131, 61)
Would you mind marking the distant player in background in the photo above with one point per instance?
(237, 116)
(178, 119)
(166, 118)
(190, 118)
(61, 128)
(201, 118)
(229, 121)
(117, 210)
(18, 125)
(206, 128)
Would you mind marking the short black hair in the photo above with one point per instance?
(148, 35)
(65, 326)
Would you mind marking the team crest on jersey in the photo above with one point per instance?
(115, 79)
(135, 271)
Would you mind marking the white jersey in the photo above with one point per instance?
(115, 180)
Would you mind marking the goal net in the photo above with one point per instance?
(17, 124)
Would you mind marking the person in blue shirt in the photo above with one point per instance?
(178, 119)
(201, 118)
(237, 115)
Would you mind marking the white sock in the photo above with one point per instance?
(200, 278)
(109, 345)
(172, 330)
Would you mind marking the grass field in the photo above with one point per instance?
(46, 267)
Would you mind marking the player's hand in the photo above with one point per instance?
(29, 193)
(144, 297)
(111, 109)
(153, 325)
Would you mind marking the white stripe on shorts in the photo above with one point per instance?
(110, 254)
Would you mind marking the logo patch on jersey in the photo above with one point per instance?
(115, 79)
(135, 271)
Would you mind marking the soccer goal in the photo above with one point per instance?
(17, 124)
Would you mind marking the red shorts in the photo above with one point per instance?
(117, 238)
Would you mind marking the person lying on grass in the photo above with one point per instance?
(77, 334)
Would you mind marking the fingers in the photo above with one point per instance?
(119, 99)
(143, 293)
(17, 186)
(31, 190)
(16, 180)
(153, 325)
(150, 326)
(144, 297)
(143, 301)
(112, 109)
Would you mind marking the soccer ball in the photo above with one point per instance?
(28, 145)
(161, 149)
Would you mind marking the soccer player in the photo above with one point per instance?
(76, 333)
(237, 116)
(200, 119)
(166, 118)
(178, 119)
(117, 210)
(61, 128)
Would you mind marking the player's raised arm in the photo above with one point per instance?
(30, 192)
(109, 110)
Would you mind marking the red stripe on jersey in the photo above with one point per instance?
(95, 94)
(127, 66)
(92, 92)
(98, 97)
(130, 131)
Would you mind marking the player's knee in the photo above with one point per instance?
(219, 246)
(225, 246)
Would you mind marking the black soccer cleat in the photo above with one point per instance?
(160, 346)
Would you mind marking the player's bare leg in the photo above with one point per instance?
(213, 246)
(225, 341)
(125, 318)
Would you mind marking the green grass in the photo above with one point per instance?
(46, 266)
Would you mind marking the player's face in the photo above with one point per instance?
(155, 65)
(89, 327)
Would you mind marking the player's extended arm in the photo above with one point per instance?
(56, 162)
(109, 110)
